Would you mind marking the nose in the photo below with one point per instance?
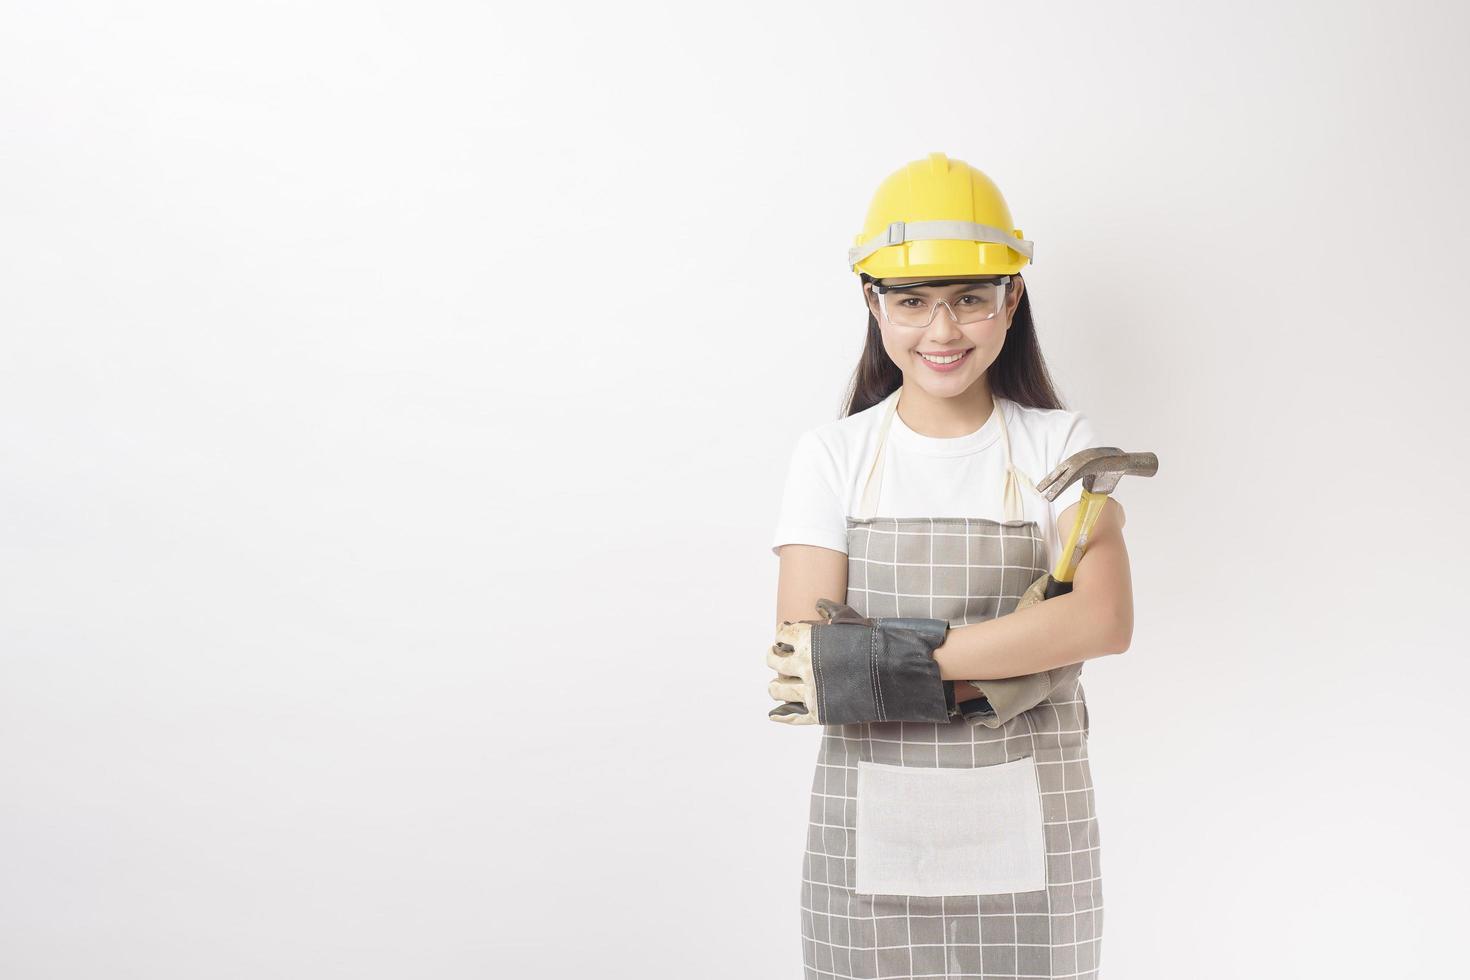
(953, 321)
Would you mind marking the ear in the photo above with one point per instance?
(871, 299)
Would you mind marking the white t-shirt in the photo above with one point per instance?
(925, 476)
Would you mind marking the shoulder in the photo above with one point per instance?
(836, 449)
(1051, 434)
(1040, 420)
(846, 438)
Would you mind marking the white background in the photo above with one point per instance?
(394, 400)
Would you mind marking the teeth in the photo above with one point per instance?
(943, 360)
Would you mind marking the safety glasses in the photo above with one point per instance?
(968, 300)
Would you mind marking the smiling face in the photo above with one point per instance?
(977, 344)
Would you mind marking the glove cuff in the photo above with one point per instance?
(883, 672)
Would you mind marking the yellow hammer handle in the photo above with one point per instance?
(1087, 515)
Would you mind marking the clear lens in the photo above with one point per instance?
(977, 302)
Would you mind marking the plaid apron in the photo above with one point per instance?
(951, 850)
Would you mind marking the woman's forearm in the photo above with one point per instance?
(1060, 631)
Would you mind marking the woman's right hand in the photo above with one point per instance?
(870, 669)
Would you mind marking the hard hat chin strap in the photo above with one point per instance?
(912, 231)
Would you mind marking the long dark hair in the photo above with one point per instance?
(1019, 373)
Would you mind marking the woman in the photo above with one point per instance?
(952, 828)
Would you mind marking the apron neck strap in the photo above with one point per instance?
(1012, 501)
(869, 504)
(1015, 508)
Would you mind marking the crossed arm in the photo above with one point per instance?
(1093, 620)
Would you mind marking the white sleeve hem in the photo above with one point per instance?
(820, 536)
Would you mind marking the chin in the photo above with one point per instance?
(949, 384)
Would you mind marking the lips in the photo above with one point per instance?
(945, 359)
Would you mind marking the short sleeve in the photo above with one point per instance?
(1079, 435)
(812, 511)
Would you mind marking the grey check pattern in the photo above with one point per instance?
(964, 570)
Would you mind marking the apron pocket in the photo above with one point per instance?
(938, 831)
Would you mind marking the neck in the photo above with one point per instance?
(945, 417)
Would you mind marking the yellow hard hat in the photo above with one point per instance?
(938, 217)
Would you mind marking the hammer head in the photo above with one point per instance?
(1099, 469)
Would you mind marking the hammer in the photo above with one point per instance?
(1099, 470)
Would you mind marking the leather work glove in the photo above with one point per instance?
(1005, 698)
(846, 668)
